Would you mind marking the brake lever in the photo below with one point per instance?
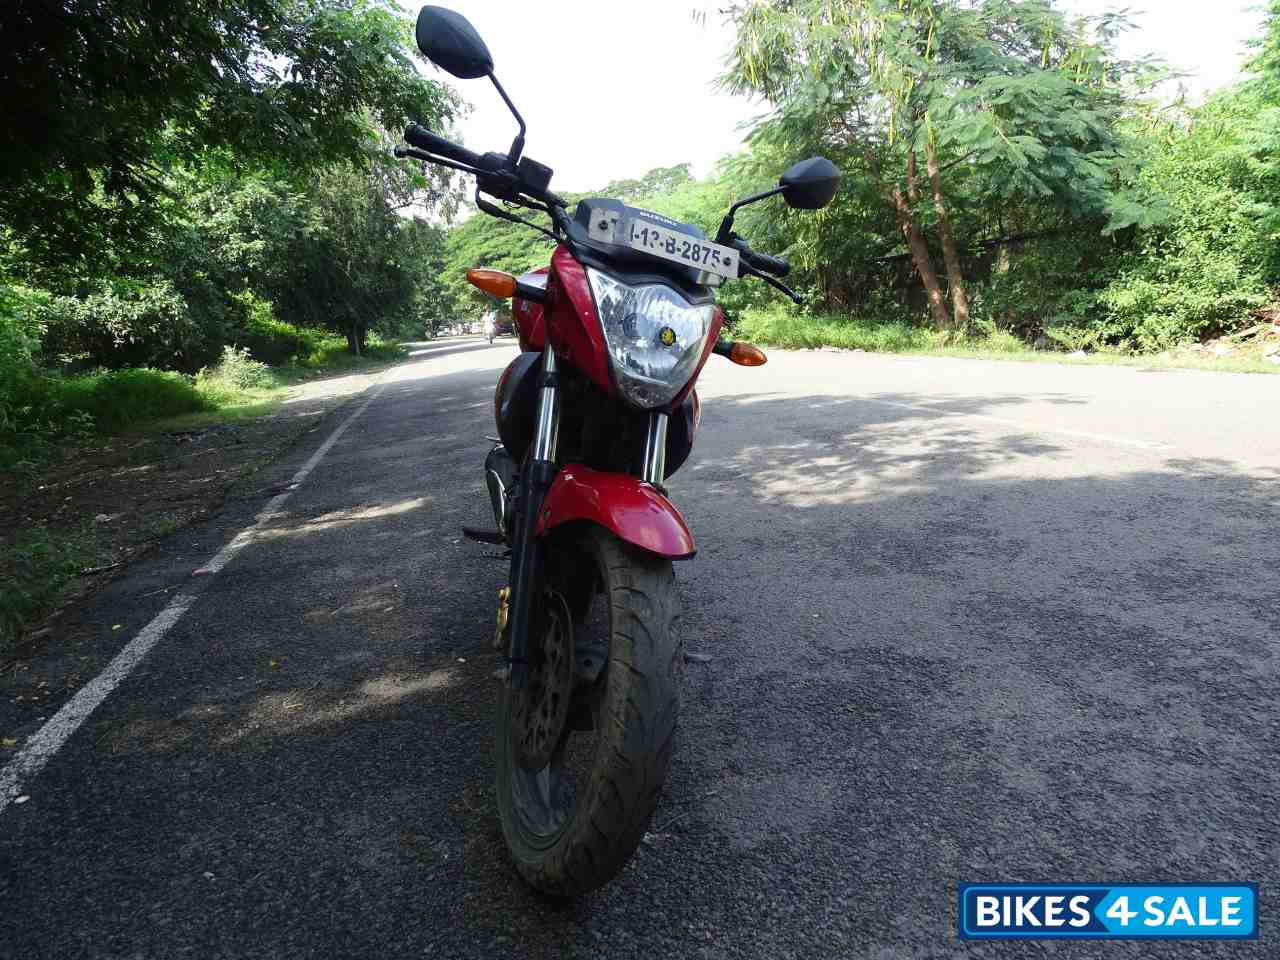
(414, 153)
(771, 281)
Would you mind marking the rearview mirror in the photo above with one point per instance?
(810, 184)
(449, 41)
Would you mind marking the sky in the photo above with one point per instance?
(610, 89)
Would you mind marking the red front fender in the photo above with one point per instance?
(635, 511)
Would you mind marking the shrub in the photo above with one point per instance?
(789, 328)
(34, 568)
(325, 352)
(238, 371)
(123, 398)
(1045, 282)
(1212, 264)
(41, 409)
(124, 323)
(270, 340)
(19, 339)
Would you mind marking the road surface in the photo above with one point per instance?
(969, 621)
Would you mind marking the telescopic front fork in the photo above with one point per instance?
(526, 560)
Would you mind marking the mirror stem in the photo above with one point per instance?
(517, 145)
(726, 225)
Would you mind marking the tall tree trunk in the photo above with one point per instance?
(904, 205)
(955, 273)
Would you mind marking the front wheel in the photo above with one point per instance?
(572, 825)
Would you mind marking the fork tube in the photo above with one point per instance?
(654, 470)
(525, 557)
(547, 432)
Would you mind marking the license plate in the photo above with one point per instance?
(680, 248)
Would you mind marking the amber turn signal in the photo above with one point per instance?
(747, 355)
(493, 281)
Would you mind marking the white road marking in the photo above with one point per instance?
(1026, 427)
(49, 739)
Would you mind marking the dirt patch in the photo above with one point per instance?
(1261, 341)
(102, 505)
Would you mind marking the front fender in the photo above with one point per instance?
(633, 510)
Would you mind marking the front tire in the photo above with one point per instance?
(567, 838)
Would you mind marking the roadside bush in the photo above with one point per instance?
(237, 371)
(41, 409)
(121, 398)
(329, 352)
(792, 329)
(1212, 265)
(19, 339)
(270, 340)
(124, 323)
(34, 568)
(1046, 283)
(1187, 296)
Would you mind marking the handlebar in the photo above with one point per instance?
(775, 265)
(424, 139)
(497, 175)
(760, 261)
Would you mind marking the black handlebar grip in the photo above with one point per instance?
(424, 139)
(760, 261)
(775, 265)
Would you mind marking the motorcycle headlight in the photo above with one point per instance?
(654, 336)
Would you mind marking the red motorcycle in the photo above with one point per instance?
(596, 412)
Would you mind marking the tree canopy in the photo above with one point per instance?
(935, 105)
(102, 97)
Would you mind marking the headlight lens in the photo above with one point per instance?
(655, 337)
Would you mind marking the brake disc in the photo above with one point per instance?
(542, 707)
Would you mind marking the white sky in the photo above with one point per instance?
(612, 89)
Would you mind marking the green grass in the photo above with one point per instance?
(329, 355)
(123, 398)
(34, 571)
(795, 331)
(161, 525)
(43, 412)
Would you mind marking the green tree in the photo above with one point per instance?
(1216, 260)
(102, 97)
(930, 104)
(364, 260)
(1264, 64)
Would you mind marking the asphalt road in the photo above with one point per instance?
(968, 620)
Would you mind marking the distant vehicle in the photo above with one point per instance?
(495, 326)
